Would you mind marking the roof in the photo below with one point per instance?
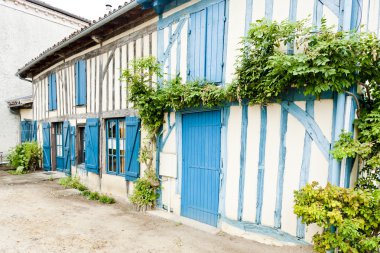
(115, 22)
(21, 102)
(50, 7)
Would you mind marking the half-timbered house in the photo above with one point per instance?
(234, 167)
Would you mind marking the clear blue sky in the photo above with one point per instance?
(90, 9)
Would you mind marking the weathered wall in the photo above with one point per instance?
(24, 34)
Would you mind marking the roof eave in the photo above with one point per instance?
(21, 73)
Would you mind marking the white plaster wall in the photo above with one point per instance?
(26, 114)
(233, 162)
(271, 164)
(236, 28)
(294, 152)
(251, 170)
(113, 185)
(23, 36)
(323, 113)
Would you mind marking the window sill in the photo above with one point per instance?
(115, 174)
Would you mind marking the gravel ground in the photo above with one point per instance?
(38, 215)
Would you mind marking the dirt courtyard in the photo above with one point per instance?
(36, 217)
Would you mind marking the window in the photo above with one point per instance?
(81, 145)
(116, 146)
(59, 139)
(52, 92)
(206, 44)
(80, 82)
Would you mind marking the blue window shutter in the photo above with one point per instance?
(46, 146)
(92, 145)
(77, 89)
(80, 82)
(83, 81)
(23, 131)
(49, 93)
(52, 83)
(215, 42)
(72, 141)
(35, 128)
(66, 147)
(132, 148)
(197, 46)
(206, 44)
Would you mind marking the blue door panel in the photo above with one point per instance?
(46, 146)
(66, 148)
(201, 166)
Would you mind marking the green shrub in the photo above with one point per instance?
(74, 182)
(106, 199)
(86, 193)
(65, 182)
(25, 157)
(145, 191)
(93, 196)
(350, 217)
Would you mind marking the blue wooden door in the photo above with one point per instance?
(201, 166)
(46, 146)
(66, 148)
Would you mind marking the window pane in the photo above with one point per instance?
(122, 164)
(121, 129)
(122, 145)
(110, 163)
(114, 164)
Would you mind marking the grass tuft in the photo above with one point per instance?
(69, 182)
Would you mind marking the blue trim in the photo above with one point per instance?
(331, 159)
(333, 5)
(178, 59)
(292, 18)
(281, 166)
(243, 155)
(305, 166)
(160, 47)
(261, 165)
(185, 12)
(347, 13)
(339, 125)
(264, 230)
(350, 161)
(158, 150)
(167, 54)
(356, 15)
(224, 160)
(310, 125)
(167, 136)
(173, 37)
(248, 14)
(317, 13)
(269, 9)
(225, 40)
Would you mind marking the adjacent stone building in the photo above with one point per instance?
(27, 28)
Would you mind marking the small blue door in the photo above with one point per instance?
(66, 148)
(59, 146)
(46, 146)
(201, 166)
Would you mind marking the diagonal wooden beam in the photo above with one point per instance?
(105, 69)
(333, 5)
(310, 125)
